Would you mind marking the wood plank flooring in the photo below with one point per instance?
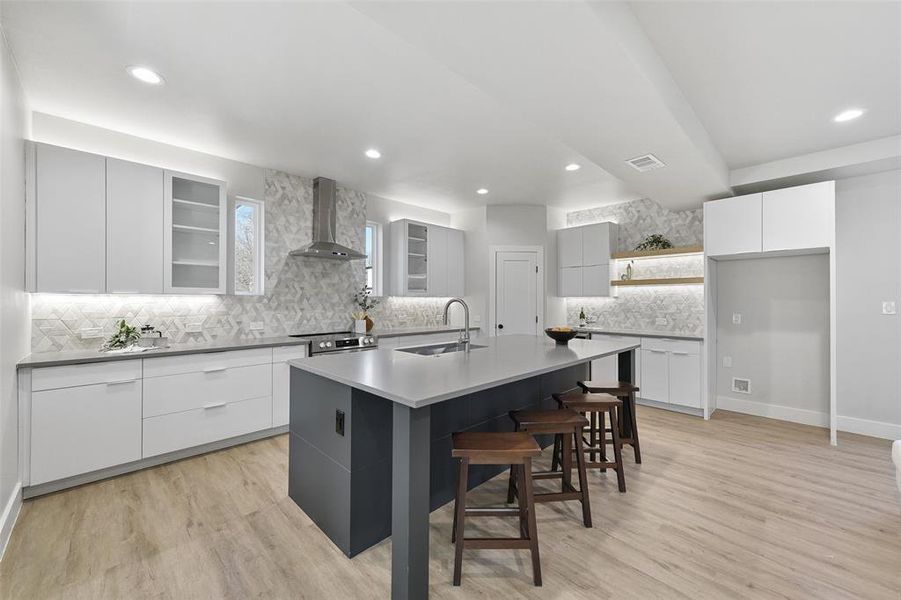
(736, 507)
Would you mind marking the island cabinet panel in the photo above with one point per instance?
(76, 430)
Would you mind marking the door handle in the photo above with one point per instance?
(500, 325)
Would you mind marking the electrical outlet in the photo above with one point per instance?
(257, 326)
(661, 321)
(888, 307)
(88, 333)
(736, 318)
(194, 327)
(339, 422)
(477, 319)
(727, 362)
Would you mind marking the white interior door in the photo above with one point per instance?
(516, 292)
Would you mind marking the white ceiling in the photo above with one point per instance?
(766, 78)
(459, 96)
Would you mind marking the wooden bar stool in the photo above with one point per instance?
(625, 391)
(600, 404)
(568, 425)
(486, 448)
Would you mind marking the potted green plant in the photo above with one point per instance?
(365, 302)
(124, 336)
(654, 242)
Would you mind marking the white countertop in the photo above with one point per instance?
(637, 333)
(418, 381)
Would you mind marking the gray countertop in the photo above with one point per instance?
(653, 334)
(418, 381)
(77, 357)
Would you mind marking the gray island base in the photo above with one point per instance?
(370, 433)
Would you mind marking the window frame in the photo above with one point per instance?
(259, 248)
(376, 258)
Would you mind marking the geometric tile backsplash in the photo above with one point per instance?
(302, 294)
(679, 307)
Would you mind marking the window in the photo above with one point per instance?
(248, 247)
(372, 249)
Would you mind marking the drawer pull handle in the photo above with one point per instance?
(122, 382)
(658, 351)
(213, 405)
(215, 370)
(680, 353)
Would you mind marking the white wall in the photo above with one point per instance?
(782, 342)
(14, 302)
(868, 264)
(475, 241)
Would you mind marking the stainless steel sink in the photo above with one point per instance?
(439, 349)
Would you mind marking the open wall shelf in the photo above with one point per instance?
(678, 251)
(660, 281)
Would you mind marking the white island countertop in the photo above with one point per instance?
(417, 381)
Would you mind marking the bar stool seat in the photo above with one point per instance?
(488, 448)
(568, 425)
(597, 405)
(629, 423)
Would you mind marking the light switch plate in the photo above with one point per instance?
(88, 333)
(661, 321)
(257, 326)
(194, 327)
(727, 362)
(888, 307)
(736, 318)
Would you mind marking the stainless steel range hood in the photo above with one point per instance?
(325, 208)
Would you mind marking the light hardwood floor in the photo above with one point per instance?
(736, 507)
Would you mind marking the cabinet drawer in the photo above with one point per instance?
(283, 353)
(176, 393)
(671, 345)
(199, 363)
(167, 433)
(49, 378)
(83, 429)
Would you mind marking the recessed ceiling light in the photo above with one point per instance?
(573, 167)
(373, 153)
(481, 191)
(146, 75)
(847, 115)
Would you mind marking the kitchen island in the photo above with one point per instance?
(370, 433)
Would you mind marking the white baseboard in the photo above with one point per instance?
(9, 516)
(773, 411)
(879, 429)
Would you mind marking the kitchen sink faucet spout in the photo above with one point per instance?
(464, 335)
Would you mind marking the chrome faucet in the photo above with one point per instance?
(464, 335)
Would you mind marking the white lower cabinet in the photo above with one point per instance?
(281, 382)
(213, 422)
(654, 375)
(81, 429)
(86, 418)
(685, 379)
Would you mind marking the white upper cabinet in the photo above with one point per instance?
(733, 225)
(598, 242)
(195, 235)
(455, 280)
(68, 252)
(569, 247)
(799, 217)
(583, 259)
(438, 260)
(424, 260)
(134, 228)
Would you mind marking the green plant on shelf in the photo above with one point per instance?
(654, 242)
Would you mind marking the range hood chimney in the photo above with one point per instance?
(325, 208)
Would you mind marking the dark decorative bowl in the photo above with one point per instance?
(561, 337)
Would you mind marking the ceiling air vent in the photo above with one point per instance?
(648, 162)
